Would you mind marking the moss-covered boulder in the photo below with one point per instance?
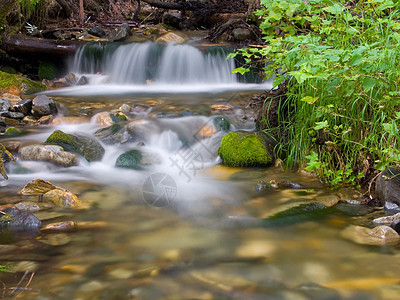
(20, 83)
(246, 149)
(89, 148)
(136, 159)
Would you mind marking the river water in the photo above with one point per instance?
(186, 227)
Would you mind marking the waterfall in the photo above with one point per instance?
(141, 63)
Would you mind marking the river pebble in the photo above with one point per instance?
(378, 236)
(56, 239)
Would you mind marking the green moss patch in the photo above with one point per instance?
(90, 149)
(243, 149)
(22, 84)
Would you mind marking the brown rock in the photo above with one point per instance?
(62, 198)
(37, 186)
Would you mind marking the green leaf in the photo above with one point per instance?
(320, 125)
(334, 9)
(241, 70)
(309, 99)
(314, 162)
(355, 60)
(300, 76)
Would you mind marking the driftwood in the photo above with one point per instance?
(164, 5)
(31, 47)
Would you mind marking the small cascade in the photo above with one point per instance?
(144, 63)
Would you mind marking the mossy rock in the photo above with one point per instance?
(13, 131)
(22, 84)
(245, 149)
(47, 71)
(90, 149)
(130, 160)
(221, 123)
(136, 160)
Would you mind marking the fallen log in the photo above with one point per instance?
(28, 47)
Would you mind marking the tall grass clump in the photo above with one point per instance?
(341, 63)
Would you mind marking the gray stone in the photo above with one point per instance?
(113, 134)
(388, 220)
(241, 34)
(50, 153)
(119, 34)
(173, 19)
(18, 220)
(12, 115)
(23, 106)
(387, 186)
(97, 31)
(83, 80)
(70, 79)
(43, 106)
(5, 104)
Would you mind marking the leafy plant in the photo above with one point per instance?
(340, 61)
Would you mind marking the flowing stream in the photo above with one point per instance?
(185, 227)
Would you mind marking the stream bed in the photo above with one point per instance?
(185, 226)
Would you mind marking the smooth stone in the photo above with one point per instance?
(92, 286)
(12, 146)
(102, 118)
(13, 132)
(51, 153)
(33, 206)
(83, 80)
(378, 236)
(256, 248)
(10, 121)
(70, 79)
(45, 120)
(388, 220)
(43, 105)
(63, 198)
(58, 239)
(14, 99)
(121, 273)
(171, 37)
(327, 200)
(66, 226)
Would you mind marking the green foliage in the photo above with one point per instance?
(244, 150)
(7, 268)
(340, 60)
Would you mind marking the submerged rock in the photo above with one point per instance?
(221, 123)
(89, 148)
(298, 213)
(19, 220)
(378, 236)
(62, 198)
(43, 106)
(113, 134)
(51, 153)
(51, 193)
(135, 159)
(244, 149)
